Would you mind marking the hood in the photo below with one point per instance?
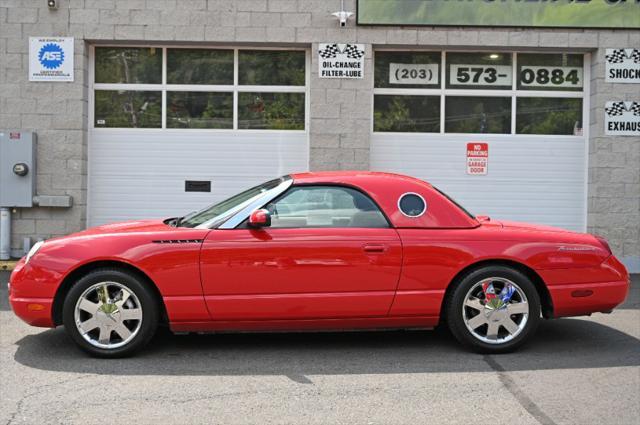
(133, 226)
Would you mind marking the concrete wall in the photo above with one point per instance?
(341, 110)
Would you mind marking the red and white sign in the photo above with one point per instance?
(477, 158)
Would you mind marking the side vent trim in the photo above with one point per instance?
(178, 241)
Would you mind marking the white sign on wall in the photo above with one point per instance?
(622, 118)
(413, 73)
(480, 75)
(50, 58)
(337, 60)
(551, 76)
(477, 158)
(622, 66)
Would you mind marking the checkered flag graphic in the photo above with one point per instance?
(353, 52)
(635, 108)
(616, 109)
(618, 56)
(329, 52)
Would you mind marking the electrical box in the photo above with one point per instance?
(17, 168)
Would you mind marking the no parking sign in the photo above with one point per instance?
(477, 158)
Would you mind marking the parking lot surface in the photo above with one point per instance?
(576, 371)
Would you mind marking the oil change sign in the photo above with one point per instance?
(50, 58)
(622, 66)
(477, 158)
(622, 118)
(337, 60)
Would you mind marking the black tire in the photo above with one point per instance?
(150, 311)
(454, 310)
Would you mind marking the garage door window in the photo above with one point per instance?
(478, 93)
(142, 87)
(467, 114)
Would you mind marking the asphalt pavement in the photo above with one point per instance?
(575, 371)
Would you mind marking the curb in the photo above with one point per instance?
(7, 265)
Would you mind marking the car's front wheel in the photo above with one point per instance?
(494, 309)
(110, 313)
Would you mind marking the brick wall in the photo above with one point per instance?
(341, 110)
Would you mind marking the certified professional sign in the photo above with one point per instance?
(50, 58)
(622, 65)
(340, 60)
(622, 118)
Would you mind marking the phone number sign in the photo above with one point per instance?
(529, 76)
(477, 158)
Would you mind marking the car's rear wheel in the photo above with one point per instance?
(494, 309)
(110, 313)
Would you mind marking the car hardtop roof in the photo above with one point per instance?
(352, 176)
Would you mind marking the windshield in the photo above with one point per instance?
(220, 209)
(454, 202)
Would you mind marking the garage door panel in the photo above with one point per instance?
(141, 174)
(530, 178)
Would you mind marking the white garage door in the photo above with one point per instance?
(528, 108)
(163, 119)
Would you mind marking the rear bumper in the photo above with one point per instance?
(36, 311)
(581, 291)
(587, 298)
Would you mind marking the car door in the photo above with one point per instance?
(329, 253)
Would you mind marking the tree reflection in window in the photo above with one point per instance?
(415, 114)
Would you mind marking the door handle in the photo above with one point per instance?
(372, 248)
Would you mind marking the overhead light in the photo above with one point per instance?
(494, 56)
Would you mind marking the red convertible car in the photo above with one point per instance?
(317, 251)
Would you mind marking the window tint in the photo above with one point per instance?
(199, 110)
(271, 68)
(547, 115)
(135, 65)
(407, 69)
(414, 114)
(325, 206)
(553, 72)
(479, 71)
(466, 114)
(412, 205)
(271, 111)
(199, 66)
(128, 109)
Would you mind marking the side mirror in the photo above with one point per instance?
(260, 218)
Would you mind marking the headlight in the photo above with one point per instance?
(36, 246)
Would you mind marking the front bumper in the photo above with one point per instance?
(26, 303)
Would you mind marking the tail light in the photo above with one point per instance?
(604, 243)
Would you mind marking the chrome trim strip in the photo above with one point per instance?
(240, 214)
(424, 210)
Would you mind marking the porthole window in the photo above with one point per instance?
(412, 205)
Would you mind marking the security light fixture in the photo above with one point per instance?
(343, 16)
(53, 4)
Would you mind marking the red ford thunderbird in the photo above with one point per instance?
(317, 251)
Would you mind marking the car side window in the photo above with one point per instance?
(325, 206)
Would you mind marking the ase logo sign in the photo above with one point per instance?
(50, 58)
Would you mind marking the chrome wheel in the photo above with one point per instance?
(495, 310)
(108, 315)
